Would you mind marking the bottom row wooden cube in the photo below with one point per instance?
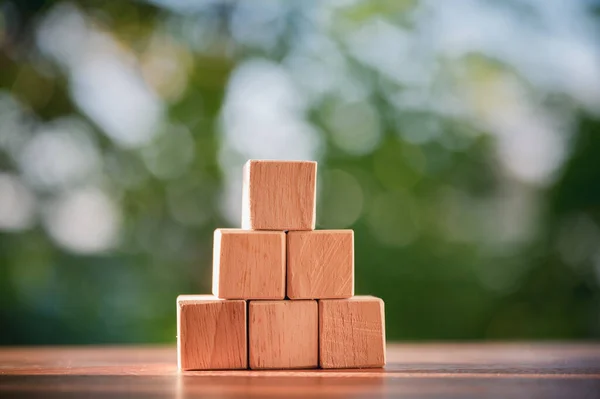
(352, 332)
(331, 333)
(283, 334)
(211, 333)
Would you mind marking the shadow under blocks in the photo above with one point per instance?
(283, 292)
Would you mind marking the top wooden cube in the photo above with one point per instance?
(279, 195)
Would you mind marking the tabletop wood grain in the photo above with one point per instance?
(414, 370)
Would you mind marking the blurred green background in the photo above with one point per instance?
(459, 139)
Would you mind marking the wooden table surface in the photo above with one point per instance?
(413, 370)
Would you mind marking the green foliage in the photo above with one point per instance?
(457, 245)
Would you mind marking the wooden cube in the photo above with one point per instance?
(283, 334)
(320, 264)
(351, 332)
(211, 333)
(249, 264)
(279, 195)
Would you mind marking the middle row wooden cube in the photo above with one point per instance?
(250, 264)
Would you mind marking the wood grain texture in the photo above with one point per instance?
(320, 264)
(351, 332)
(279, 195)
(465, 370)
(283, 334)
(211, 333)
(249, 264)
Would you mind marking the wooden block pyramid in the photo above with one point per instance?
(283, 292)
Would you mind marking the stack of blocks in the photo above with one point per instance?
(283, 292)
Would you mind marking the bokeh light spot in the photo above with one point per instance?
(17, 204)
(355, 127)
(61, 154)
(171, 153)
(83, 221)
